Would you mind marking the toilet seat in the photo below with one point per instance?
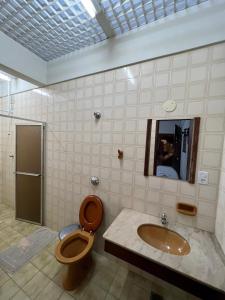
(73, 240)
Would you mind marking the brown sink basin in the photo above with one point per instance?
(164, 239)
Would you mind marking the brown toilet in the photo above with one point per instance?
(75, 249)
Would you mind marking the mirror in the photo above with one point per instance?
(171, 148)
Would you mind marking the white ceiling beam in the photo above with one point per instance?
(102, 20)
(20, 62)
(104, 23)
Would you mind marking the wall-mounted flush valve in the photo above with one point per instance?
(97, 115)
(94, 180)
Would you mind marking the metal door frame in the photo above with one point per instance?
(42, 169)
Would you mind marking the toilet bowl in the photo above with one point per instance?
(75, 249)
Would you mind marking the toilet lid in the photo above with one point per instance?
(91, 213)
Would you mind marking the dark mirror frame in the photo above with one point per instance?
(194, 147)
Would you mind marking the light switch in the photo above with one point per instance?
(203, 177)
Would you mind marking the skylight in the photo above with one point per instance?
(54, 28)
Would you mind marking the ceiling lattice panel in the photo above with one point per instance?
(125, 15)
(49, 28)
(52, 28)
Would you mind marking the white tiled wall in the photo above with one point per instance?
(220, 219)
(6, 163)
(77, 146)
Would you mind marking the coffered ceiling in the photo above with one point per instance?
(52, 28)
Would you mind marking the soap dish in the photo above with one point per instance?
(186, 209)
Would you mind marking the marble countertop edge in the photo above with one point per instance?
(204, 263)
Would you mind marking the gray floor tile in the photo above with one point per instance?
(36, 285)
(8, 290)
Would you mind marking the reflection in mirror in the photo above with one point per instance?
(172, 148)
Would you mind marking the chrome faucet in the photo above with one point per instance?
(164, 219)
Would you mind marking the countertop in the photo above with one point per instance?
(204, 263)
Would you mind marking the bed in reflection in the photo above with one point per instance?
(166, 171)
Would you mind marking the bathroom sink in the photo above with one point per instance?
(164, 239)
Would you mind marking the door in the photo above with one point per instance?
(178, 144)
(29, 173)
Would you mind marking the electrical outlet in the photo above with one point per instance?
(203, 177)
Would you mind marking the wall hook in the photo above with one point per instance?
(120, 154)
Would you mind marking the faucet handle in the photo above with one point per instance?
(164, 219)
(163, 215)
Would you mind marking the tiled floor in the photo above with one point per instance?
(41, 277)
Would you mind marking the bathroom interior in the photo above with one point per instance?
(112, 154)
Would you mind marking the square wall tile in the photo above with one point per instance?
(79, 147)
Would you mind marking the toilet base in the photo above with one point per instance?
(76, 273)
